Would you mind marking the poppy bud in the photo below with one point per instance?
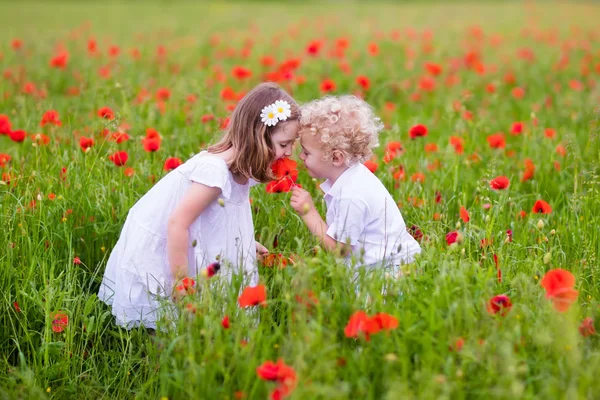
(540, 224)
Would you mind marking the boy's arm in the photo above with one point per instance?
(318, 227)
(303, 204)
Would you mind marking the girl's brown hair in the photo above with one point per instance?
(250, 137)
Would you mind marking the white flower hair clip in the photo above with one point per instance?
(278, 111)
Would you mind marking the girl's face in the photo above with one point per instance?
(283, 138)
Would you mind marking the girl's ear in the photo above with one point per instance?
(337, 158)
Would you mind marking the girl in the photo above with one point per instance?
(200, 213)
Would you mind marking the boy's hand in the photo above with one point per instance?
(301, 201)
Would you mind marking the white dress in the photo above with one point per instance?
(138, 273)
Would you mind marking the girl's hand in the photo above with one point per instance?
(261, 250)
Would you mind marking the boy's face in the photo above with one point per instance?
(312, 156)
(283, 138)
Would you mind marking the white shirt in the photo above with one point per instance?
(361, 212)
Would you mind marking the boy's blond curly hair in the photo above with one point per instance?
(345, 123)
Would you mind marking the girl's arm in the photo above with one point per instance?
(194, 202)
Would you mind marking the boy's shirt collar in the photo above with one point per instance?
(346, 176)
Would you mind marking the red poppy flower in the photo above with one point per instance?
(162, 94)
(457, 143)
(415, 232)
(118, 137)
(171, 163)
(529, 170)
(363, 82)
(373, 48)
(224, 123)
(392, 149)
(541, 207)
(518, 92)
(464, 214)
(283, 185)
(228, 94)
(549, 133)
(427, 84)
(119, 158)
(212, 269)
(16, 44)
(327, 86)
(457, 345)
(60, 60)
(285, 167)
(275, 259)
(252, 296)
(431, 148)
(281, 373)
(267, 61)
(207, 117)
(268, 371)
(559, 285)
(85, 143)
(60, 321)
(385, 321)
(51, 117)
(286, 173)
(5, 127)
(587, 327)
(40, 138)
(152, 133)
(17, 136)
(187, 287)
(241, 73)
(371, 165)
(497, 141)
(188, 283)
(225, 322)
(106, 113)
(499, 183)
(314, 47)
(418, 130)
(114, 51)
(516, 128)
(418, 177)
(4, 159)
(360, 324)
(453, 237)
(92, 46)
(151, 144)
(433, 69)
(499, 304)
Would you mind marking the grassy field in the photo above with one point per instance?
(503, 89)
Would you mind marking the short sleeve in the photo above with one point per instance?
(253, 182)
(213, 172)
(349, 220)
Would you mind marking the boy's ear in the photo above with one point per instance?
(337, 158)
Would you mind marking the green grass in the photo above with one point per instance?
(532, 352)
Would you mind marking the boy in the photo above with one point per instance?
(337, 135)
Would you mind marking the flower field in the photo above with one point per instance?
(490, 148)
